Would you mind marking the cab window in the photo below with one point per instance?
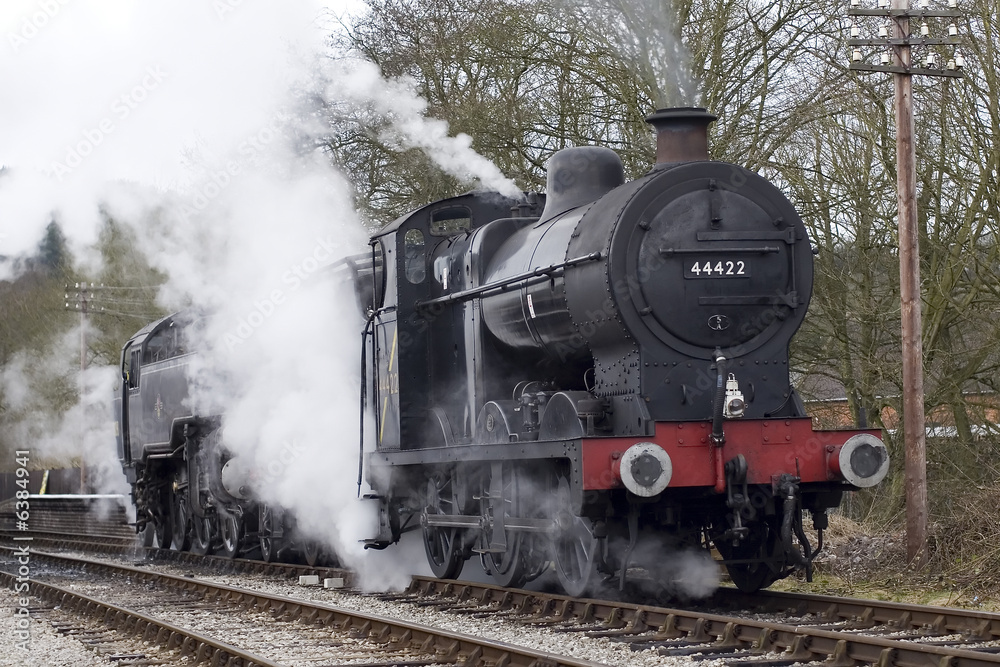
(414, 262)
(452, 220)
(133, 369)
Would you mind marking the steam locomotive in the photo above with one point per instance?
(583, 384)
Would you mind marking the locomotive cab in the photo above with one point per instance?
(418, 338)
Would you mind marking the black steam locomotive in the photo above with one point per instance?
(587, 382)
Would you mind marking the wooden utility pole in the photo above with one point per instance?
(914, 429)
(83, 300)
(914, 426)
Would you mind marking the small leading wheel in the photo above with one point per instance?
(162, 534)
(179, 517)
(230, 534)
(201, 535)
(510, 566)
(269, 545)
(311, 552)
(574, 547)
(761, 552)
(445, 547)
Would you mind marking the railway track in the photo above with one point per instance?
(769, 628)
(222, 625)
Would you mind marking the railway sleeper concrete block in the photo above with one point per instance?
(729, 636)
(799, 650)
(981, 631)
(474, 657)
(309, 580)
(360, 631)
(887, 658)
(668, 629)
(448, 651)
(638, 621)
(203, 653)
(840, 656)
(700, 632)
(904, 622)
(764, 642)
(333, 582)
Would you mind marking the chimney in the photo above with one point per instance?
(681, 134)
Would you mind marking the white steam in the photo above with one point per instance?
(647, 33)
(82, 434)
(184, 121)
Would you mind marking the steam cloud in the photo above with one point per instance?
(184, 120)
(646, 33)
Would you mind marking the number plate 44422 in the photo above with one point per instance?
(717, 268)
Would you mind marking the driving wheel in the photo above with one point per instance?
(445, 546)
(574, 547)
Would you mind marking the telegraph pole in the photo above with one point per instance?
(900, 64)
(84, 296)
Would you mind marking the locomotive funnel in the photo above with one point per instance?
(681, 134)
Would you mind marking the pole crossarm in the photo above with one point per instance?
(908, 41)
(863, 67)
(907, 13)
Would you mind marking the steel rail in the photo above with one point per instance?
(444, 645)
(201, 647)
(220, 563)
(650, 625)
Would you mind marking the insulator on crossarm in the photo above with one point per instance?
(883, 31)
(952, 4)
(856, 55)
(855, 3)
(885, 58)
(925, 4)
(925, 30)
(959, 60)
(930, 60)
(953, 30)
(855, 30)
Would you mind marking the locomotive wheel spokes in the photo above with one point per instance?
(268, 548)
(201, 535)
(574, 547)
(445, 546)
(181, 538)
(503, 497)
(230, 533)
(763, 551)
